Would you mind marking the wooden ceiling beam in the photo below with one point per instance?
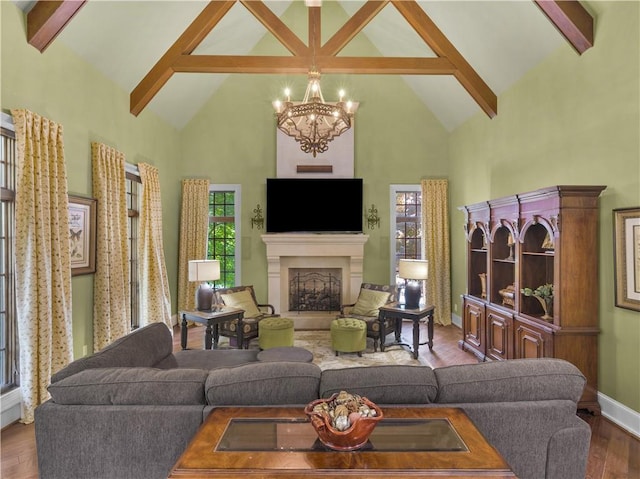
(277, 28)
(354, 25)
(440, 44)
(184, 45)
(47, 19)
(241, 64)
(572, 20)
(315, 32)
(300, 65)
(179, 59)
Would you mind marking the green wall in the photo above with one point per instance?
(571, 120)
(59, 85)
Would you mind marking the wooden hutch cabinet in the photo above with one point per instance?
(544, 237)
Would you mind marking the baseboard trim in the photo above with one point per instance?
(619, 414)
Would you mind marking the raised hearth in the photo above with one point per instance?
(287, 251)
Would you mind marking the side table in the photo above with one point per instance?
(211, 319)
(398, 312)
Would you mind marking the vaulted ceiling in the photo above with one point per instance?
(457, 56)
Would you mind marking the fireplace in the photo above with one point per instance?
(318, 289)
(341, 252)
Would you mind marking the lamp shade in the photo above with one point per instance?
(204, 270)
(413, 269)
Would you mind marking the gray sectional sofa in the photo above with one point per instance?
(129, 410)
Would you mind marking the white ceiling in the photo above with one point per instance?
(501, 40)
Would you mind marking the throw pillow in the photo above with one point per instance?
(243, 300)
(369, 301)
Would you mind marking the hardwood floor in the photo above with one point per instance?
(614, 453)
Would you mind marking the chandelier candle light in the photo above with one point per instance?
(413, 271)
(313, 122)
(203, 271)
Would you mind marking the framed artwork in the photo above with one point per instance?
(82, 234)
(626, 236)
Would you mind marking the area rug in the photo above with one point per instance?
(319, 343)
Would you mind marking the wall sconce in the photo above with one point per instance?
(257, 220)
(373, 220)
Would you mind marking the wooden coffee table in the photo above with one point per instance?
(279, 442)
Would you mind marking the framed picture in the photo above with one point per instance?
(626, 236)
(82, 234)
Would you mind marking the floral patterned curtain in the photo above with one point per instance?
(194, 224)
(155, 297)
(42, 256)
(435, 218)
(111, 292)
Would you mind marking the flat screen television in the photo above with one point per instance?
(308, 205)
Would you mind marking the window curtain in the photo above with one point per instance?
(155, 297)
(194, 225)
(111, 291)
(435, 225)
(42, 257)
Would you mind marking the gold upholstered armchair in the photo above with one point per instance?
(366, 308)
(243, 297)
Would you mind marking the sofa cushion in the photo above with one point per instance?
(214, 358)
(131, 386)
(369, 302)
(143, 347)
(263, 383)
(242, 300)
(392, 384)
(513, 380)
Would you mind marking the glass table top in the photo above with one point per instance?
(248, 434)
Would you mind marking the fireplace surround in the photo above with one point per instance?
(301, 250)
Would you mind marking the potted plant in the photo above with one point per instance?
(544, 294)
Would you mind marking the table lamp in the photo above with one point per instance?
(413, 271)
(202, 271)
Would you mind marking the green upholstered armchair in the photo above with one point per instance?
(243, 297)
(370, 299)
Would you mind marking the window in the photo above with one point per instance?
(406, 225)
(133, 213)
(224, 230)
(8, 325)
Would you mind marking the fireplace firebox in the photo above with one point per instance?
(314, 290)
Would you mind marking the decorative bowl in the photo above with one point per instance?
(355, 436)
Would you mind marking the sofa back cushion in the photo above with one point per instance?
(143, 347)
(392, 384)
(131, 386)
(513, 380)
(263, 384)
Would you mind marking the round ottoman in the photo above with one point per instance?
(275, 332)
(348, 335)
(286, 353)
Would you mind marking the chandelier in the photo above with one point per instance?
(313, 122)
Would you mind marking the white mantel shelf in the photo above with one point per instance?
(308, 250)
(281, 242)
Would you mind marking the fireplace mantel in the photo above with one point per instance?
(302, 250)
